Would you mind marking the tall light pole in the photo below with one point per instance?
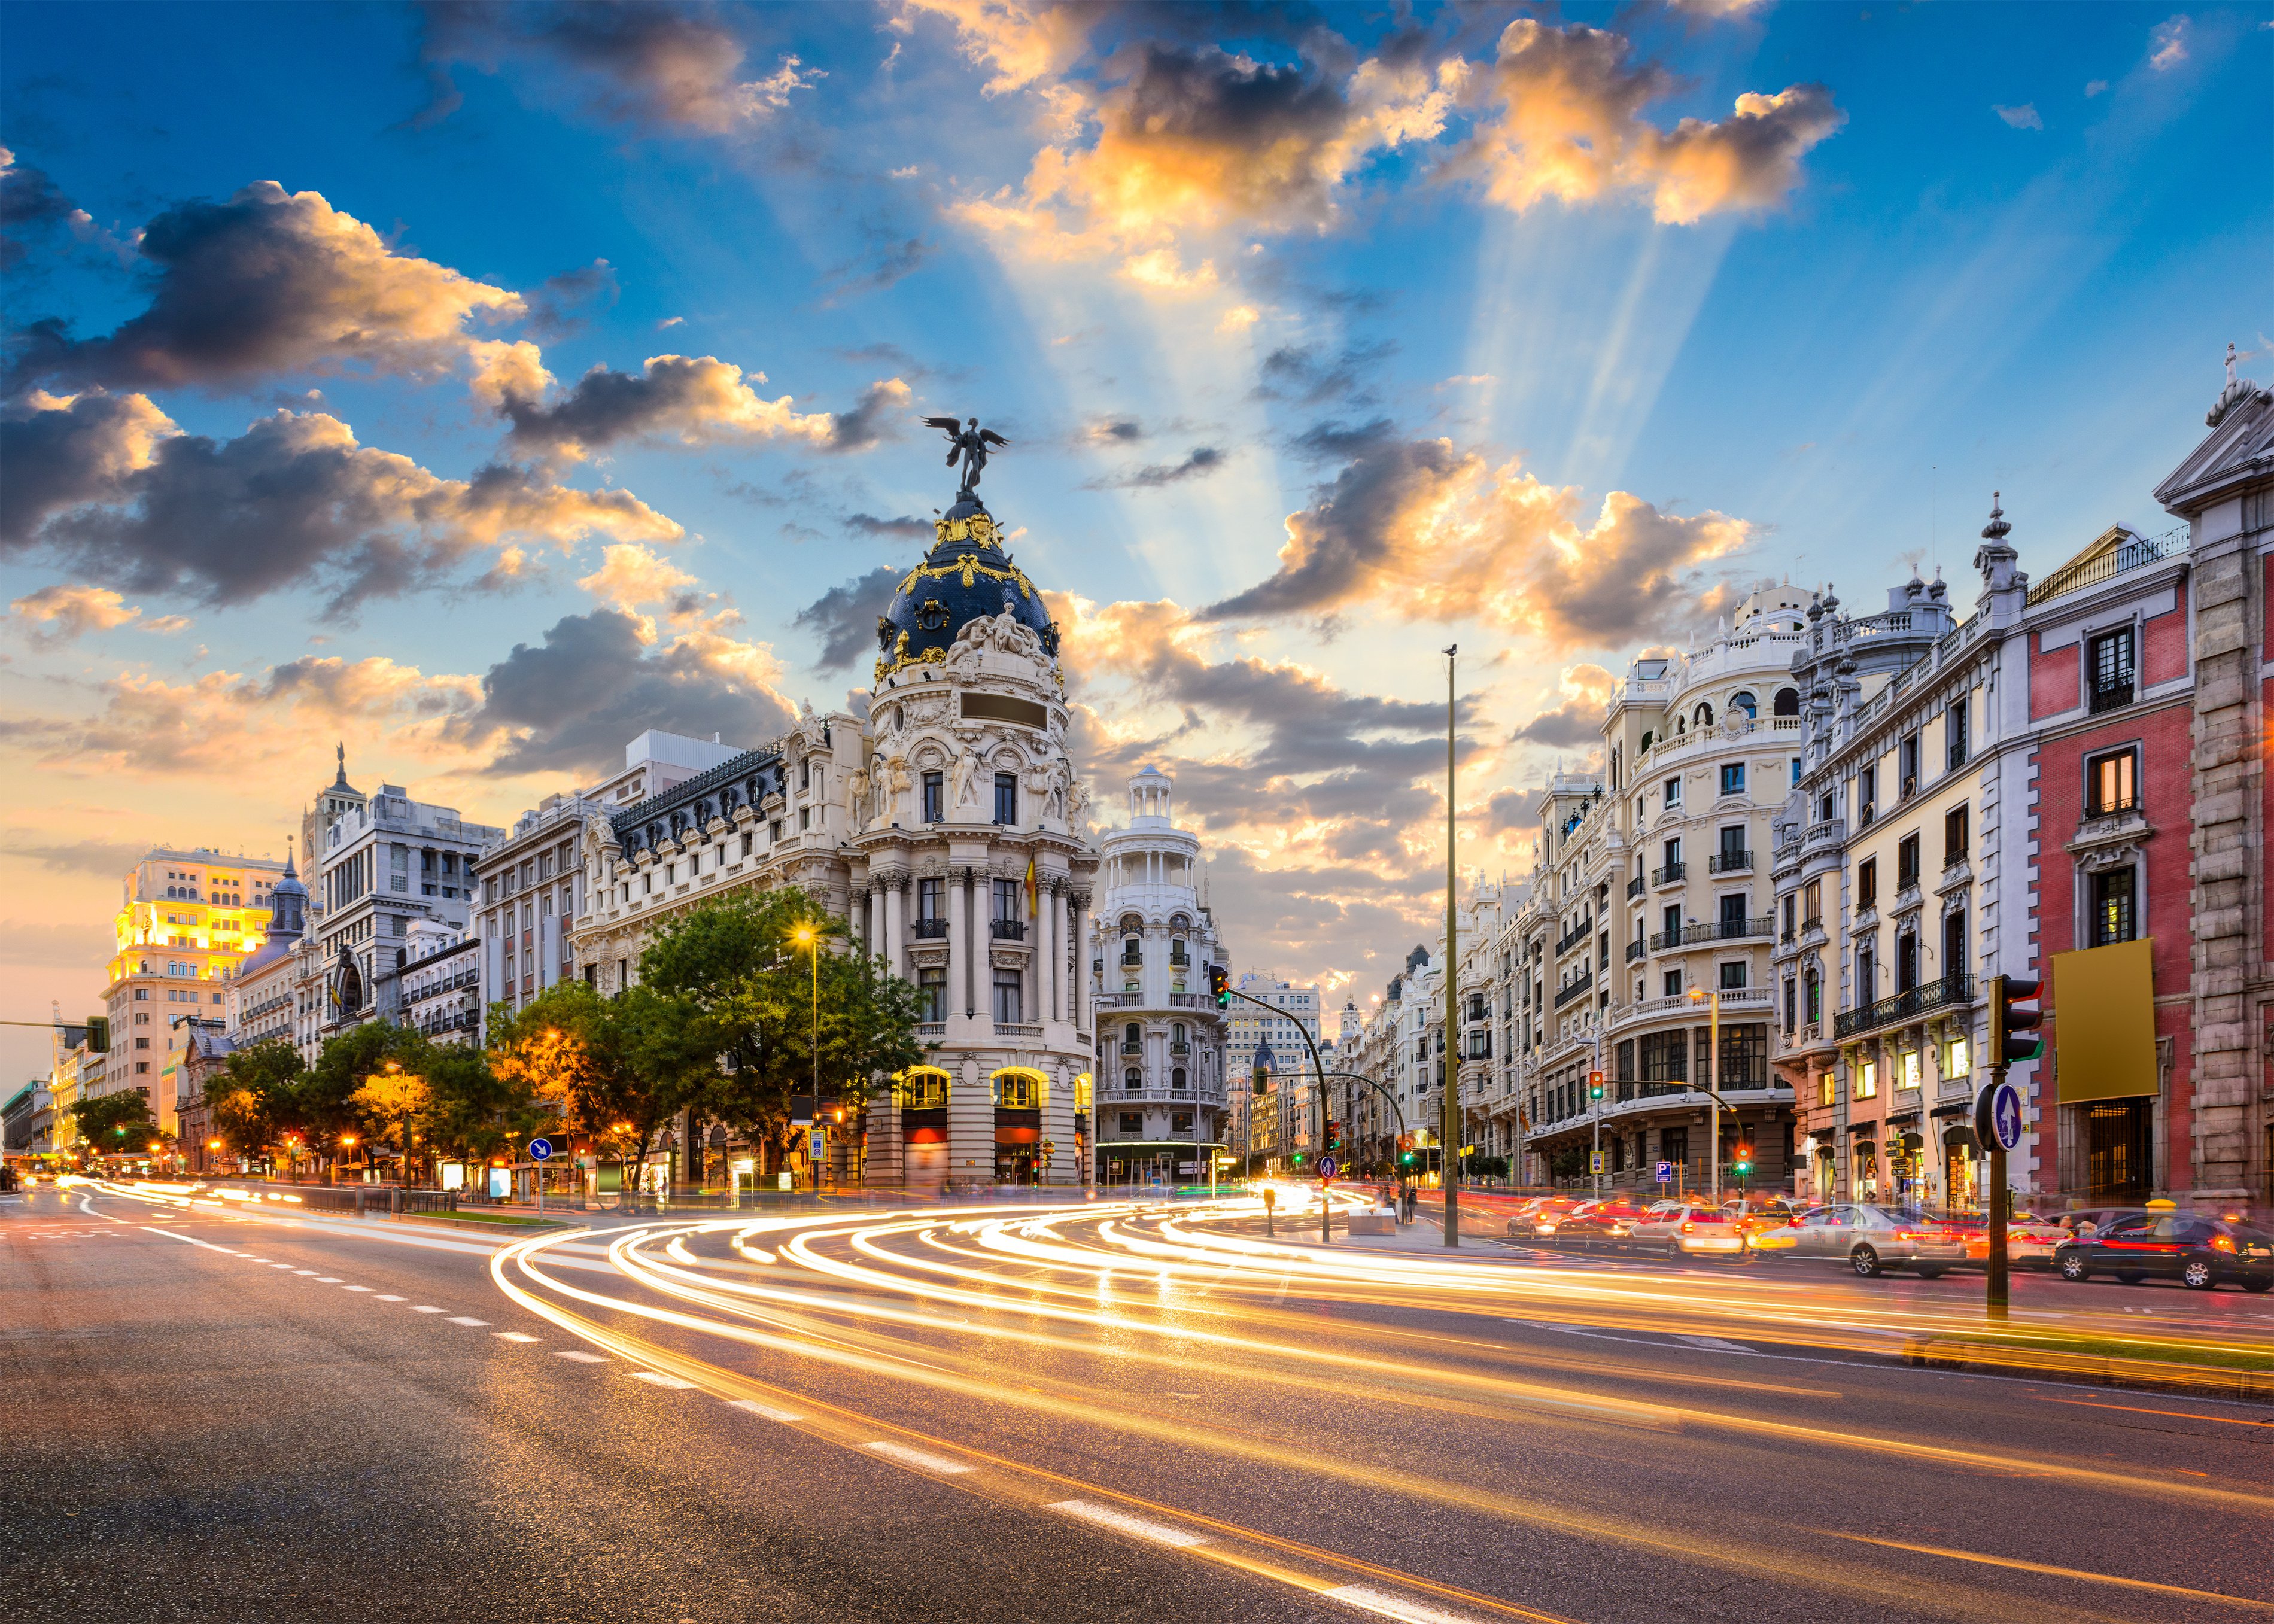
(1448, 1133)
(810, 938)
(1712, 1065)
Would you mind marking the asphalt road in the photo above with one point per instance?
(212, 1415)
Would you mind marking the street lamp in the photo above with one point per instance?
(809, 938)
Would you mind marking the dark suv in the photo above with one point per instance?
(2200, 1253)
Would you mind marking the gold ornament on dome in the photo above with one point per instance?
(979, 527)
(902, 658)
(969, 569)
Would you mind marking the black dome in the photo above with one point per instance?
(965, 575)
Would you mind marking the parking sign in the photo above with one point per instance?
(1666, 1172)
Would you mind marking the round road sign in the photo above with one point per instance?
(1998, 1115)
(540, 1150)
(1327, 1166)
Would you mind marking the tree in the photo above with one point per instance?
(254, 1094)
(119, 1124)
(323, 1106)
(391, 1100)
(739, 962)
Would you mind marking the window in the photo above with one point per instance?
(1134, 1080)
(1181, 1122)
(1957, 1059)
(1789, 910)
(2110, 665)
(1007, 798)
(1787, 701)
(1006, 899)
(1796, 772)
(1908, 754)
(1665, 1057)
(1742, 703)
(1133, 1038)
(1674, 792)
(1733, 976)
(1814, 987)
(1670, 984)
(1907, 862)
(1953, 734)
(1133, 1121)
(1791, 1003)
(928, 898)
(1867, 1079)
(931, 995)
(1015, 1090)
(1954, 942)
(935, 810)
(2113, 915)
(1007, 1000)
(1867, 796)
(1811, 904)
(2111, 785)
(1177, 1079)
(1867, 883)
(1732, 778)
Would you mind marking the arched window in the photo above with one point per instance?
(1131, 925)
(1741, 701)
(1703, 715)
(1176, 1080)
(1177, 1034)
(1615, 765)
(1787, 701)
(1680, 726)
(1178, 921)
(1134, 1080)
(1646, 737)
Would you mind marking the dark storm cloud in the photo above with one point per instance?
(875, 417)
(29, 200)
(1330, 439)
(870, 524)
(1201, 461)
(560, 306)
(844, 617)
(1312, 376)
(570, 704)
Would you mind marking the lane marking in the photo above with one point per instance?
(917, 1457)
(282, 1265)
(424, 1308)
(304, 1271)
(356, 1288)
(1382, 1602)
(466, 1320)
(754, 1406)
(2058, 1573)
(384, 1298)
(581, 1356)
(1121, 1522)
(327, 1280)
(513, 1336)
(661, 1379)
(2185, 1415)
(1712, 1342)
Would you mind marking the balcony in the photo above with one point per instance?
(1635, 950)
(1564, 995)
(1670, 874)
(1132, 1049)
(1829, 832)
(1573, 937)
(1634, 887)
(2110, 696)
(1007, 929)
(1131, 961)
(1181, 1050)
(1713, 931)
(1730, 862)
(928, 930)
(1951, 992)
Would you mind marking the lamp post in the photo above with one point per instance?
(807, 937)
(1713, 999)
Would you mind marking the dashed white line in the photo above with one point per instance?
(1121, 1522)
(327, 1280)
(581, 1356)
(917, 1457)
(467, 1320)
(1389, 1606)
(356, 1288)
(282, 1265)
(304, 1271)
(767, 1411)
(1712, 1342)
(425, 1308)
(513, 1336)
(384, 1298)
(661, 1379)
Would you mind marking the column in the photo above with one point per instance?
(959, 948)
(1045, 939)
(1078, 1003)
(893, 884)
(1065, 965)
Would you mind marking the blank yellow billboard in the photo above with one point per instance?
(2103, 1004)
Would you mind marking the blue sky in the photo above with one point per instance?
(1526, 329)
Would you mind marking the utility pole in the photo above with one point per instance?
(1450, 1112)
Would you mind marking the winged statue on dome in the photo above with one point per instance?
(968, 441)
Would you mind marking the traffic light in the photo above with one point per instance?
(1220, 988)
(1594, 1085)
(1261, 1080)
(98, 1034)
(1298, 1158)
(1743, 1164)
(2012, 1030)
(1333, 1134)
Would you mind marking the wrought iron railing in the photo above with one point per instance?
(1927, 996)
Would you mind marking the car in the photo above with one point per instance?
(1542, 1215)
(1874, 1239)
(2200, 1253)
(1768, 1225)
(2085, 1220)
(2030, 1238)
(1609, 1222)
(1693, 1226)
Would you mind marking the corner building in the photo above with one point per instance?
(945, 827)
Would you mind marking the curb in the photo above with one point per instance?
(2089, 1369)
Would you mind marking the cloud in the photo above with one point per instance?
(1019, 42)
(1423, 530)
(600, 679)
(106, 858)
(272, 282)
(844, 617)
(696, 401)
(560, 306)
(1718, 10)
(1578, 720)
(2094, 87)
(889, 262)
(1113, 430)
(1199, 462)
(644, 62)
(1329, 439)
(906, 525)
(101, 481)
(62, 613)
(29, 200)
(631, 576)
(1564, 121)
(2021, 118)
(1309, 374)
(872, 419)
(2169, 39)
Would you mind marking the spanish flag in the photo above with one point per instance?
(1031, 888)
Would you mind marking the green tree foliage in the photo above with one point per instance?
(741, 963)
(254, 1096)
(117, 1124)
(614, 1068)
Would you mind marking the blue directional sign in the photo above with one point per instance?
(1327, 1166)
(540, 1150)
(1998, 1115)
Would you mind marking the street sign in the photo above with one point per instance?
(540, 1150)
(1595, 1161)
(817, 1143)
(1998, 1115)
(1326, 1167)
(1666, 1172)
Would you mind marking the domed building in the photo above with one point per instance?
(1161, 1040)
(944, 825)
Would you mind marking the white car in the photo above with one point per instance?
(1678, 1228)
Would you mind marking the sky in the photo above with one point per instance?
(478, 386)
